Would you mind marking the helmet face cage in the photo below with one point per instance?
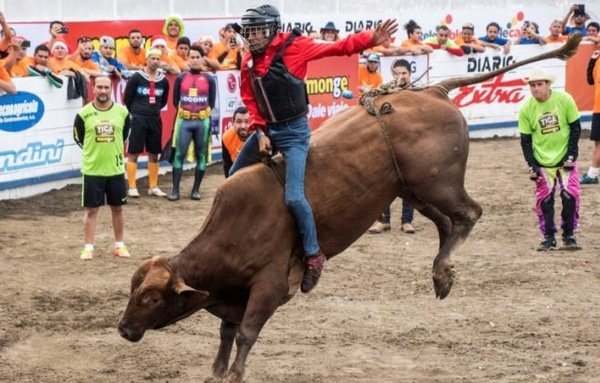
(260, 23)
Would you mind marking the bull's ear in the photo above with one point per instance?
(180, 287)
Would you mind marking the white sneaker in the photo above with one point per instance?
(133, 193)
(155, 191)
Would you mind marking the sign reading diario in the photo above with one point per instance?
(20, 111)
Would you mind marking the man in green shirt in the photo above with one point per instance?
(100, 129)
(550, 127)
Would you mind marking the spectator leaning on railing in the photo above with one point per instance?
(133, 56)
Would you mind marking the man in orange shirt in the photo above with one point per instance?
(60, 64)
(6, 83)
(133, 56)
(368, 75)
(83, 57)
(234, 137)
(593, 78)
(556, 36)
(17, 61)
(467, 40)
(173, 29)
(227, 51)
(182, 53)
(166, 63)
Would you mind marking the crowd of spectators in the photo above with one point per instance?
(226, 52)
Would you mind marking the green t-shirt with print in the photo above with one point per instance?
(548, 124)
(101, 135)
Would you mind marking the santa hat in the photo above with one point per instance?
(158, 40)
(60, 43)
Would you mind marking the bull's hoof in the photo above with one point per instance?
(442, 282)
(233, 378)
(214, 379)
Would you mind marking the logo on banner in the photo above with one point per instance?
(495, 91)
(34, 154)
(327, 85)
(20, 111)
(231, 83)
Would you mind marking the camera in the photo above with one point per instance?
(25, 44)
(526, 24)
(63, 30)
(580, 11)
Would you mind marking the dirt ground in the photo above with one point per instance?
(514, 314)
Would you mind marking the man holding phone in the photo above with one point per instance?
(227, 50)
(578, 19)
(57, 31)
(17, 61)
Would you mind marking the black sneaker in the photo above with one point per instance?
(549, 243)
(570, 243)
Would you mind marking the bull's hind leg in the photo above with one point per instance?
(221, 363)
(463, 212)
(442, 222)
(263, 301)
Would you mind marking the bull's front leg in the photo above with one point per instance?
(221, 363)
(262, 303)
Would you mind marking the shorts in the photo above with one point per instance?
(145, 132)
(595, 134)
(94, 189)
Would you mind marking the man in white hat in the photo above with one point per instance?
(550, 127)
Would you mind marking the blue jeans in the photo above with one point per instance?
(291, 138)
(408, 213)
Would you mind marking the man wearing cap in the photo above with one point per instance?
(226, 51)
(146, 93)
(173, 29)
(549, 125)
(133, 56)
(329, 32)
(83, 56)
(273, 90)
(109, 66)
(194, 95)
(467, 41)
(167, 64)
(368, 75)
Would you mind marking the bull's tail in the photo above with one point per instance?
(562, 53)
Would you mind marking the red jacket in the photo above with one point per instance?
(296, 57)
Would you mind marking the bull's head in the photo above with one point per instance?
(159, 297)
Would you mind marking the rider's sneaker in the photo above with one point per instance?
(133, 193)
(155, 191)
(549, 243)
(86, 254)
(587, 180)
(121, 251)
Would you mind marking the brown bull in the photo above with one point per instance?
(351, 177)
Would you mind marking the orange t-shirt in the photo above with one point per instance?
(167, 60)
(557, 39)
(372, 80)
(57, 66)
(87, 64)
(597, 87)
(19, 69)
(129, 57)
(180, 61)
(460, 41)
(230, 61)
(4, 75)
(232, 142)
(171, 43)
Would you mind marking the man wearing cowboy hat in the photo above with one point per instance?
(550, 127)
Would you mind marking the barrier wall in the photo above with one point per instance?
(37, 152)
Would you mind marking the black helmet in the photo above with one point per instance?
(265, 19)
